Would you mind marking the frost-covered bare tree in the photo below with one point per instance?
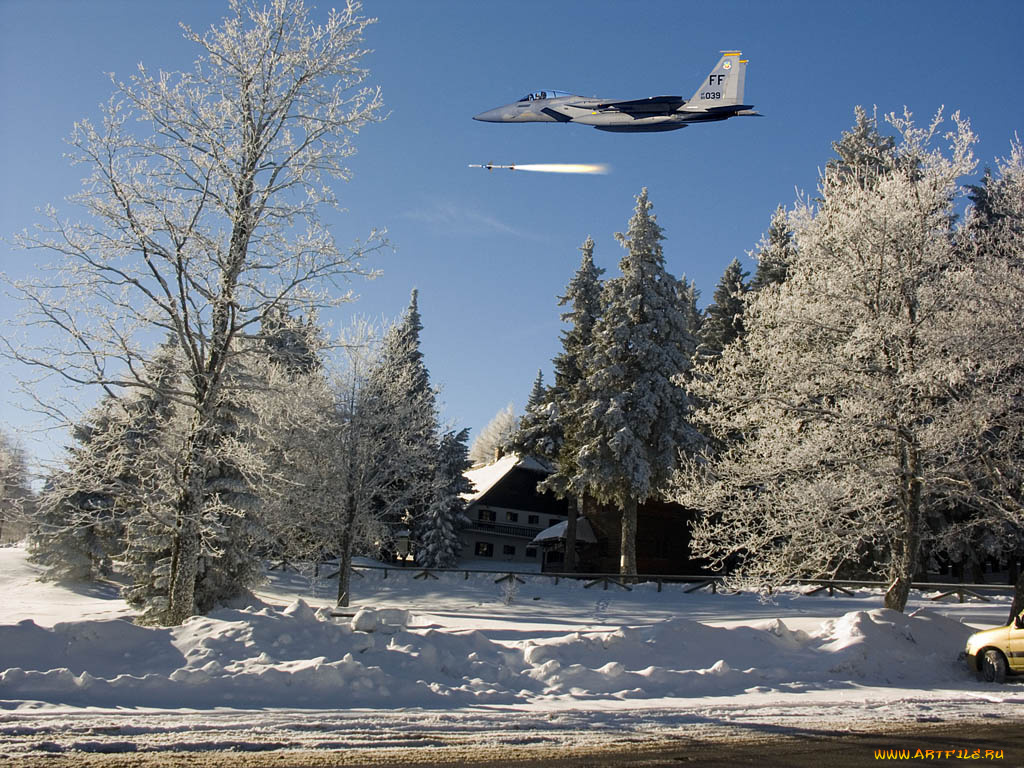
(342, 475)
(496, 437)
(992, 244)
(15, 491)
(202, 213)
(846, 390)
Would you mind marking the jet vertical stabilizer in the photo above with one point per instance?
(723, 87)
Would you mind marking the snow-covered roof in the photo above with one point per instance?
(486, 477)
(584, 532)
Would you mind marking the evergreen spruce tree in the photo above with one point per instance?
(635, 421)
(537, 392)
(231, 562)
(568, 397)
(74, 536)
(688, 295)
(775, 253)
(291, 342)
(410, 449)
(440, 541)
(723, 321)
(863, 155)
(146, 559)
(542, 429)
(387, 447)
(117, 466)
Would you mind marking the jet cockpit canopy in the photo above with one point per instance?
(544, 95)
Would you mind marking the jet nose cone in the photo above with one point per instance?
(490, 116)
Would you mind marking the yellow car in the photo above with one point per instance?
(994, 653)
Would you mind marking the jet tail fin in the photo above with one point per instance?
(723, 87)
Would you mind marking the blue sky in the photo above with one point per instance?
(490, 252)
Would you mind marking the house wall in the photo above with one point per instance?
(505, 520)
(507, 531)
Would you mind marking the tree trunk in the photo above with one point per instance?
(907, 547)
(569, 564)
(345, 569)
(186, 544)
(184, 565)
(627, 560)
(1018, 599)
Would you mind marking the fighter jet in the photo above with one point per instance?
(719, 97)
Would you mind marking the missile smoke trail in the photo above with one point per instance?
(564, 168)
(548, 167)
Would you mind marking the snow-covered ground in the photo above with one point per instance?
(445, 661)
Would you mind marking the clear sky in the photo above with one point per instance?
(490, 252)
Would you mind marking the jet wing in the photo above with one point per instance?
(559, 116)
(652, 104)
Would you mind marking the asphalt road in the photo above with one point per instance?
(998, 741)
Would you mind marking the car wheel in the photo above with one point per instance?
(993, 666)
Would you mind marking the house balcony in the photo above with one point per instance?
(505, 529)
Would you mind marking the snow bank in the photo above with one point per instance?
(297, 657)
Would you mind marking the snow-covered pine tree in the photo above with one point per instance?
(235, 536)
(148, 526)
(536, 433)
(409, 447)
(774, 253)
(636, 420)
(118, 465)
(559, 438)
(688, 295)
(74, 536)
(542, 429)
(496, 437)
(842, 386)
(723, 319)
(440, 540)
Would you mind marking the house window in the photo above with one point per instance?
(533, 519)
(531, 551)
(509, 549)
(512, 517)
(484, 549)
(486, 514)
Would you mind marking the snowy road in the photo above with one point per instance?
(797, 736)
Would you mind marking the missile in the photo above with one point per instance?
(548, 167)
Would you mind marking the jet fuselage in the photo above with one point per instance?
(719, 98)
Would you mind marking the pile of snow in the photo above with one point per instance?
(296, 656)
